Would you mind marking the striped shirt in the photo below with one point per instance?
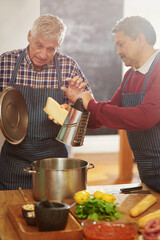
(28, 76)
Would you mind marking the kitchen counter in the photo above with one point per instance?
(7, 231)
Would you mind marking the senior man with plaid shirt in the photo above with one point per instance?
(38, 71)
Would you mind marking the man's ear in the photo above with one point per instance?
(29, 36)
(141, 39)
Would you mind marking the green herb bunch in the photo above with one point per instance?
(96, 209)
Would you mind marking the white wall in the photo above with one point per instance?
(16, 18)
(148, 9)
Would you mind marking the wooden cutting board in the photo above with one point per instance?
(126, 202)
(72, 231)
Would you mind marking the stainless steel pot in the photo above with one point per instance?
(58, 178)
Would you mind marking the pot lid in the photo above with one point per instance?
(13, 115)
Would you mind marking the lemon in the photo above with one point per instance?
(80, 197)
(88, 194)
(108, 197)
(98, 194)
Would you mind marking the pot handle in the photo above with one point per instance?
(90, 166)
(29, 170)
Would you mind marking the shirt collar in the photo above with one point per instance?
(145, 67)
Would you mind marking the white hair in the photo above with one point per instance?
(50, 27)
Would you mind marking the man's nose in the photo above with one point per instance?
(43, 53)
(118, 51)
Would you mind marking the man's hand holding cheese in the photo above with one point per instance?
(57, 113)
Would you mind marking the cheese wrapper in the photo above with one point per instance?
(54, 110)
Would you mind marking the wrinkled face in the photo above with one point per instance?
(41, 50)
(129, 50)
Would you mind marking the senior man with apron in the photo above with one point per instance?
(39, 71)
(15, 157)
(135, 106)
(145, 144)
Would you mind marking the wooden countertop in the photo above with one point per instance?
(7, 231)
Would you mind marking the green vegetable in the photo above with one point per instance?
(96, 209)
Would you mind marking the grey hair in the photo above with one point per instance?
(132, 26)
(50, 27)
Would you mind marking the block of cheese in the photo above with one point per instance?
(53, 109)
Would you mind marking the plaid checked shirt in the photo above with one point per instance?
(29, 76)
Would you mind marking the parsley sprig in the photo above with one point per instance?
(96, 209)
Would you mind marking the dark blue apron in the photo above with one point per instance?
(40, 140)
(145, 144)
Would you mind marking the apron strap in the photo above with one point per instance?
(59, 75)
(124, 85)
(149, 72)
(13, 78)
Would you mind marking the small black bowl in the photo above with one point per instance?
(30, 218)
(27, 208)
(51, 218)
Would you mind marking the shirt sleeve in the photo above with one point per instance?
(95, 121)
(141, 117)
